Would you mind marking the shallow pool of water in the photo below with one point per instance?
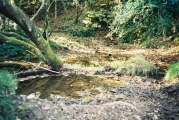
(67, 86)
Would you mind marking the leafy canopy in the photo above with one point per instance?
(138, 20)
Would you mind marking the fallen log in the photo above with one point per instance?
(32, 69)
(31, 73)
(14, 64)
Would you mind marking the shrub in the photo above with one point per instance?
(99, 18)
(153, 43)
(138, 20)
(173, 71)
(79, 30)
(116, 64)
(8, 82)
(137, 65)
(11, 50)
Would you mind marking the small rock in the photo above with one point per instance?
(99, 73)
(156, 111)
(31, 96)
(136, 117)
(155, 117)
(24, 97)
(47, 107)
(38, 114)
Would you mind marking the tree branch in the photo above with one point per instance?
(40, 10)
(10, 10)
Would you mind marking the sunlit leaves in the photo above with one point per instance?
(139, 20)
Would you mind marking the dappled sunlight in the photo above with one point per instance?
(134, 52)
(82, 67)
(95, 50)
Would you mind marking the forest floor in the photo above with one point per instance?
(139, 98)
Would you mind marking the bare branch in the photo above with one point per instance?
(40, 10)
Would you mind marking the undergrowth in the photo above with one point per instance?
(8, 84)
(11, 50)
(137, 65)
(10, 109)
(55, 46)
(139, 21)
(172, 72)
(79, 30)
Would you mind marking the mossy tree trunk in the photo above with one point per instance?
(10, 10)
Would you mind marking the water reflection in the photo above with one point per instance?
(64, 85)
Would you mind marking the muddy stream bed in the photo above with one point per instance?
(79, 96)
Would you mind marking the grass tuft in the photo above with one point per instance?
(8, 108)
(137, 65)
(7, 81)
(172, 72)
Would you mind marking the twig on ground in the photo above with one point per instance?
(38, 66)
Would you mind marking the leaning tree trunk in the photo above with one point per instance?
(10, 10)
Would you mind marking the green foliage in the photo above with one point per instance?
(137, 21)
(97, 14)
(79, 30)
(97, 19)
(11, 50)
(67, 18)
(9, 110)
(98, 4)
(7, 82)
(116, 64)
(87, 32)
(137, 65)
(153, 43)
(101, 15)
(173, 71)
(5, 108)
(55, 46)
(79, 9)
(28, 6)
